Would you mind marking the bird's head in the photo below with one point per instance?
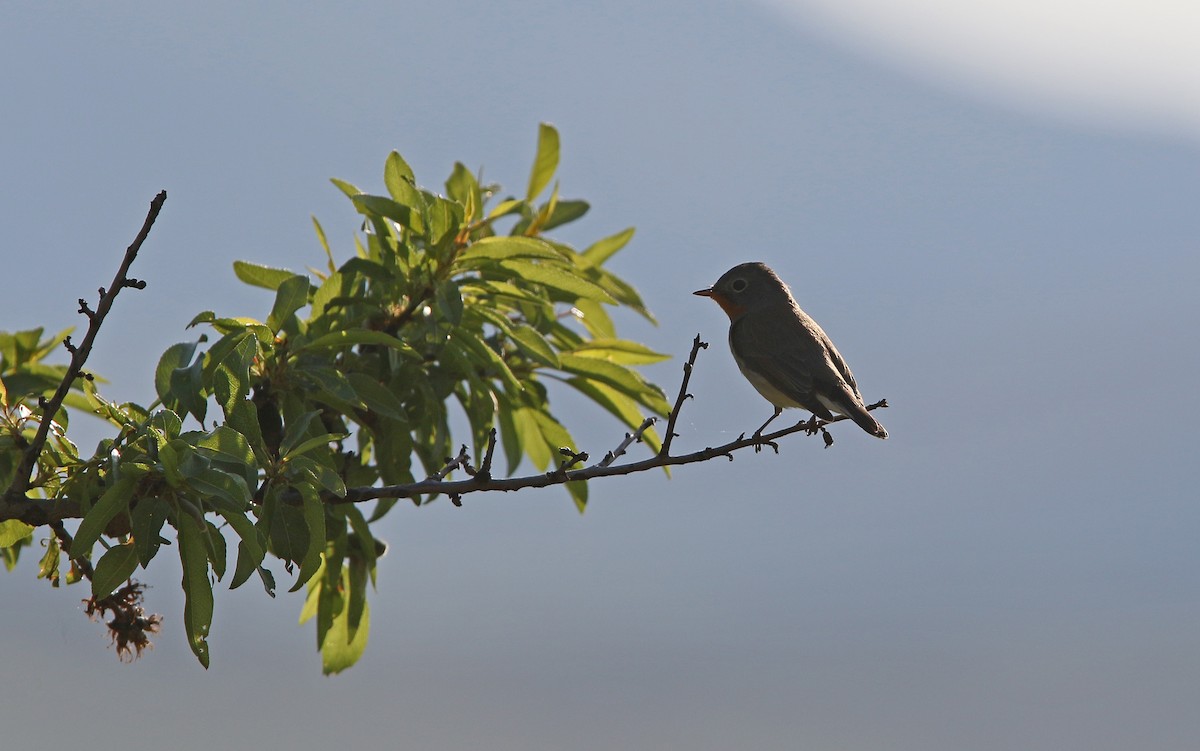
(746, 286)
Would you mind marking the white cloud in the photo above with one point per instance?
(1125, 62)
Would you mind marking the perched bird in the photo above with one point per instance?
(782, 352)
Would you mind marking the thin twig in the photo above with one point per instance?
(572, 458)
(697, 345)
(462, 460)
(485, 469)
(22, 479)
(481, 482)
(630, 439)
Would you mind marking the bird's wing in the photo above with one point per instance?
(784, 350)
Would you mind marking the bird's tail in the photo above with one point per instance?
(863, 419)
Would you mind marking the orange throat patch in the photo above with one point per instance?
(731, 310)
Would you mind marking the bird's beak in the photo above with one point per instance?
(731, 310)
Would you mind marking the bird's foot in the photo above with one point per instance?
(759, 442)
(812, 426)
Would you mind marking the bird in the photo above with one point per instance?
(782, 351)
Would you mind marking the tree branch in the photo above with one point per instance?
(15, 504)
(481, 480)
(484, 482)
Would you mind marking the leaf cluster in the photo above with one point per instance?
(452, 303)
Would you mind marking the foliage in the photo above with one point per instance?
(350, 380)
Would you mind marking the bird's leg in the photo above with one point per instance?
(758, 433)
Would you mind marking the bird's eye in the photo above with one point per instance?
(737, 285)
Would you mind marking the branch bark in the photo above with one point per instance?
(481, 482)
(15, 504)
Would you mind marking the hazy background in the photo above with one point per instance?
(993, 213)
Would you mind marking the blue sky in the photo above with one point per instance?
(1016, 567)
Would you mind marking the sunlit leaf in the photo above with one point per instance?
(601, 250)
(397, 172)
(13, 531)
(503, 247)
(554, 278)
(198, 597)
(545, 163)
(619, 351)
(619, 377)
(257, 275)
(534, 345)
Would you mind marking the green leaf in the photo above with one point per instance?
(230, 452)
(115, 566)
(346, 637)
(347, 188)
(622, 407)
(231, 378)
(555, 278)
(13, 531)
(449, 302)
(215, 543)
(484, 355)
(261, 276)
(620, 351)
(351, 337)
(197, 592)
(332, 384)
(292, 295)
(510, 436)
(167, 422)
(314, 519)
(312, 443)
(545, 163)
(321, 475)
(530, 438)
(506, 207)
(397, 173)
(365, 539)
(622, 379)
(148, 517)
(623, 293)
(288, 532)
(186, 391)
(376, 396)
(565, 212)
(405, 214)
(444, 218)
(534, 345)
(601, 250)
(244, 419)
(114, 500)
(177, 356)
(48, 566)
(251, 546)
(502, 248)
(595, 319)
(324, 242)
(297, 429)
(462, 186)
(215, 483)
